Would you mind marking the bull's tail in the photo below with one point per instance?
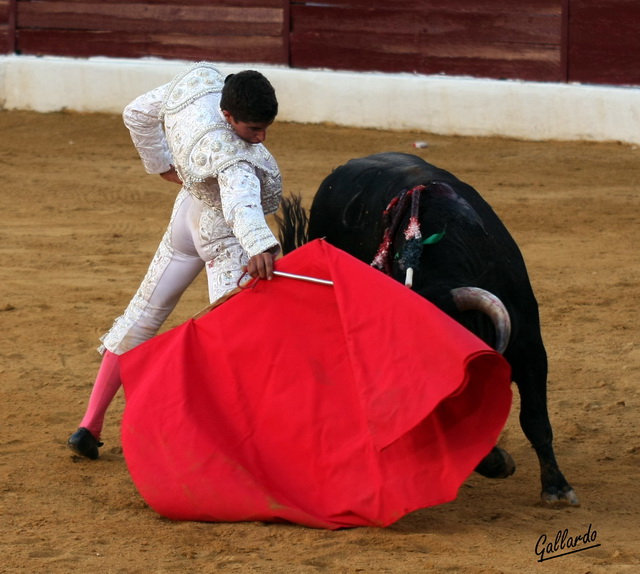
(293, 224)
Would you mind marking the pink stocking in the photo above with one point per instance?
(104, 389)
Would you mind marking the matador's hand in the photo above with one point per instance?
(172, 176)
(261, 265)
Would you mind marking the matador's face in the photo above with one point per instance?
(251, 132)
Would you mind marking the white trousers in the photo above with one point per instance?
(197, 236)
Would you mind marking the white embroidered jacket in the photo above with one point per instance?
(181, 124)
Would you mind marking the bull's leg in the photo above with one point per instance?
(530, 374)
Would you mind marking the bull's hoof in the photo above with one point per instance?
(558, 498)
(497, 464)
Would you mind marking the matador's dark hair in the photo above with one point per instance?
(249, 97)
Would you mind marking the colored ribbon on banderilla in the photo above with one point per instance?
(412, 249)
(392, 216)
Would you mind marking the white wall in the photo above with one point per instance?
(436, 104)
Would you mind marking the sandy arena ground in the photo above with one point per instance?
(79, 222)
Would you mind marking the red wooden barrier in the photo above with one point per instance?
(491, 38)
(604, 41)
(7, 26)
(590, 41)
(230, 31)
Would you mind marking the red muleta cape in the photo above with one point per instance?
(327, 406)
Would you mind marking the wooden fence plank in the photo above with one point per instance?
(114, 17)
(229, 30)
(219, 3)
(5, 44)
(564, 41)
(522, 28)
(604, 41)
(81, 44)
(428, 48)
(4, 12)
(458, 37)
(7, 26)
(505, 6)
(387, 55)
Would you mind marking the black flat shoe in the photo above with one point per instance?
(82, 442)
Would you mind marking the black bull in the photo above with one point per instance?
(469, 247)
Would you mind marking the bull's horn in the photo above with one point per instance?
(476, 299)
